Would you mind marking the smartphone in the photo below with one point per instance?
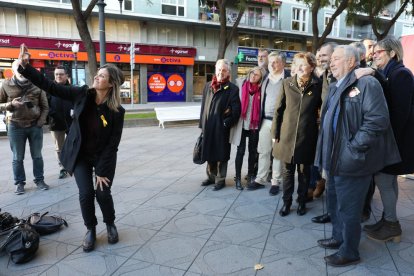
(29, 104)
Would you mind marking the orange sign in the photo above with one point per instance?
(156, 83)
(8, 73)
(175, 83)
(110, 57)
(168, 60)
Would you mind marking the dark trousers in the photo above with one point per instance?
(253, 136)
(217, 171)
(346, 195)
(368, 198)
(288, 173)
(85, 180)
(315, 176)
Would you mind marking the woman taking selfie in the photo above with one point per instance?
(89, 152)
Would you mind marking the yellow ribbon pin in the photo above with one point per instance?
(104, 122)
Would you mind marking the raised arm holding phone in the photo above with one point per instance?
(90, 149)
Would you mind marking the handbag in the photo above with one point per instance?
(21, 242)
(45, 224)
(197, 151)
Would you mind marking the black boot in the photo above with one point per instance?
(301, 209)
(388, 231)
(374, 227)
(238, 184)
(89, 240)
(112, 233)
(285, 209)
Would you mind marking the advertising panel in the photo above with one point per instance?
(166, 87)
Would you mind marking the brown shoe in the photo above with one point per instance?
(388, 231)
(339, 261)
(320, 188)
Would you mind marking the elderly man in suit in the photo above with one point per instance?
(355, 141)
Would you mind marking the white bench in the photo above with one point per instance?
(177, 113)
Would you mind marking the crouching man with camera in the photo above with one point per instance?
(27, 109)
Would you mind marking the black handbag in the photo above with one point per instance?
(45, 224)
(197, 151)
(21, 242)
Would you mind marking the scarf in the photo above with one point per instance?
(215, 84)
(391, 63)
(249, 89)
(303, 83)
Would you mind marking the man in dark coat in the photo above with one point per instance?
(220, 110)
(60, 117)
(355, 141)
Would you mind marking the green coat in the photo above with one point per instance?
(295, 122)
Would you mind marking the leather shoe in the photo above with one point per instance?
(285, 210)
(325, 218)
(301, 209)
(338, 261)
(329, 243)
(219, 186)
(254, 186)
(207, 182)
(112, 233)
(89, 240)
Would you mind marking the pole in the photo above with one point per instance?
(132, 54)
(76, 69)
(102, 41)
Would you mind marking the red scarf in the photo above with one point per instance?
(215, 84)
(254, 90)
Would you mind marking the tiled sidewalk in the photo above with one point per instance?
(170, 225)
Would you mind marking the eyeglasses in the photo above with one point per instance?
(377, 52)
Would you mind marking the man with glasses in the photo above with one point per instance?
(60, 117)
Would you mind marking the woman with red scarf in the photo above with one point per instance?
(248, 125)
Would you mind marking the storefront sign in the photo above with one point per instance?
(111, 47)
(167, 60)
(247, 55)
(166, 87)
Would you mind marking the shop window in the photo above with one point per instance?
(173, 7)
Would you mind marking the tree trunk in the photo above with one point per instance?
(82, 25)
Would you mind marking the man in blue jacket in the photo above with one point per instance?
(355, 141)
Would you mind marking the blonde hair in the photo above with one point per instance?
(262, 74)
(116, 78)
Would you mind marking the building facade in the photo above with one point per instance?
(175, 42)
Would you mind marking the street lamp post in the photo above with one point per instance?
(102, 40)
(75, 50)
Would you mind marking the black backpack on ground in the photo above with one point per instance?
(20, 242)
(7, 220)
(45, 224)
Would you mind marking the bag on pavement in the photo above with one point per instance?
(20, 242)
(7, 220)
(44, 224)
(197, 151)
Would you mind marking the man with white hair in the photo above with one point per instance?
(27, 109)
(220, 110)
(355, 141)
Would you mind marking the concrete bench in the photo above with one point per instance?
(177, 113)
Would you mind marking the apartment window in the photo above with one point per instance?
(173, 7)
(128, 5)
(8, 21)
(299, 19)
(59, 1)
(335, 26)
(255, 16)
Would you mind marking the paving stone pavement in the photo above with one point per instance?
(170, 225)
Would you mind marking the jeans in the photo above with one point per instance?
(346, 195)
(18, 137)
(315, 176)
(85, 180)
(388, 187)
(289, 181)
(253, 136)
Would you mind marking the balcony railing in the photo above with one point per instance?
(258, 21)
(360, 34)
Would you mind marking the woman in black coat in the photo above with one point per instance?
(220, 110)
(295, 129)
(399, 93)
(91, 146)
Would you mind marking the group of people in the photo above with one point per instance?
(86, 126)
(341, 118)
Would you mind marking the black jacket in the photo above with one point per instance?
(59, 113)
(219, 112)
(109, 135)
